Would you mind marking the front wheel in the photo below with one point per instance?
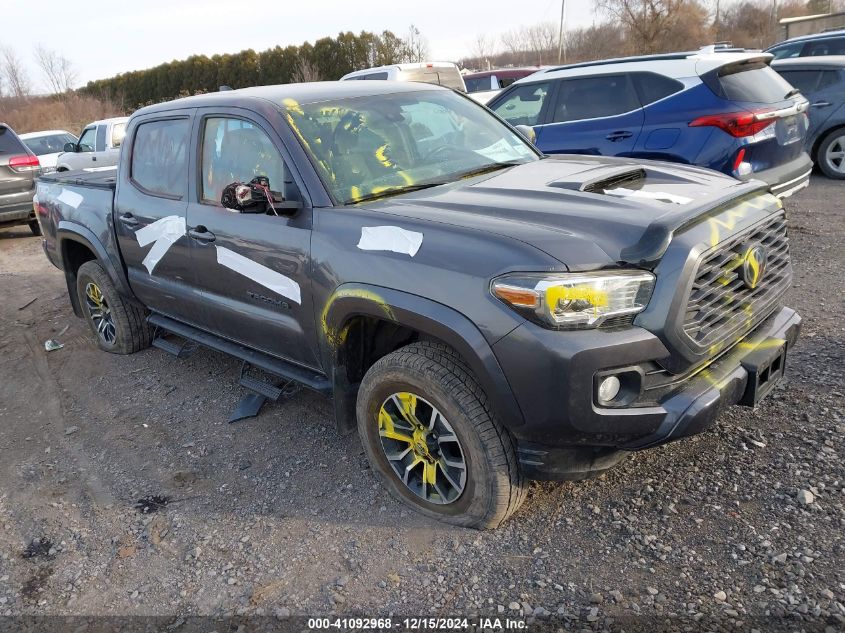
(831, 154)
(430, 435)
(119, 326)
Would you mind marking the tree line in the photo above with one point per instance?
(326, 59)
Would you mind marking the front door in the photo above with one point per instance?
(86, 148)
(149, 216)
(252, 268)
(599, 115)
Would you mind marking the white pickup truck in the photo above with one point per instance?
(98, 146)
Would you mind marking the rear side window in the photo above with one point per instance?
(118, 131)
(9, 143)
(160, 157)
(831, 46)
(478, 84)
(594, 97)
(754, 82)
(522, 106)
(377, 76)
(652, 87)
(805, 80)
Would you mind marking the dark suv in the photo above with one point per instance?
(815, 45)
(822, 81)
(18, 170)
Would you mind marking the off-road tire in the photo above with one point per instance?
(822, 160)
(132, 333)
(34, 227)
(494, 487)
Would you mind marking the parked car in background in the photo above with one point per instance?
(19, 168)
(724, 110)
(440, 73)
(822, 81)
(98, 146)
(815, 45)
(483, 86)
(48, 146)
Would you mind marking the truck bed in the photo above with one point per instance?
(100, 178)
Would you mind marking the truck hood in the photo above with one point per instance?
(584, 211)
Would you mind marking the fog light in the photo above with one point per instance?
(609, 388)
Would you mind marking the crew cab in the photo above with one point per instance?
(98, 146)
(483, 314)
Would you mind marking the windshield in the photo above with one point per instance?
(50, 144)
(384, 144)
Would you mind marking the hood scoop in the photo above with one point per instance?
(602, 178)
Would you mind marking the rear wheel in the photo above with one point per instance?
(119, 326)
(431, 436)
(831, 154)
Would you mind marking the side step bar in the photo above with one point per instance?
(277, 367)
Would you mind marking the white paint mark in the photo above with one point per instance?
(267, 277)
(165, 233)
(661, 196)
(390, 238)
(70, 198)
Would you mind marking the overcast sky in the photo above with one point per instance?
(106, 37)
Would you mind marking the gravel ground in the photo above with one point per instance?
(125, 491)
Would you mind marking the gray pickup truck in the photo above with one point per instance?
(482, 313)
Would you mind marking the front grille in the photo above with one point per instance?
(721, 307)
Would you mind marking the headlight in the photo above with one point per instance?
(571, 301)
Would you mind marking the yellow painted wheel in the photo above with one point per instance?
(422, 448)
(100, 313)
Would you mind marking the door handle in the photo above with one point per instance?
(618, 136)
(820, 104)
(202, 234)
(128, 219)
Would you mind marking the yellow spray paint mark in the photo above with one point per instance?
(381, 156)
(337, 338)
(388, 429)
(596, 298)
(409, 405)
(728, 220)
(293, 106)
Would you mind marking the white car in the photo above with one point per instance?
(440, 73)
(98, 146)
(48, 145)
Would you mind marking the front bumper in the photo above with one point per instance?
(567, 436)
(786, 179)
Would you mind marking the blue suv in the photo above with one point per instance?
(721, 109)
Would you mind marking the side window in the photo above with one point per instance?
(234, 150)
(788, 50)
(594, 97)
(87, 140)
(804, 80)
(101, 137)
(118, 131)
(522, 106)
(160, 157)
(831, 46)
(652, 87)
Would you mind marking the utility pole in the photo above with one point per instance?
(561, 50)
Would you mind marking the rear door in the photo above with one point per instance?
(598, 115)
(251, 268)
(149, 215)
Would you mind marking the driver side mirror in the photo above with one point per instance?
(528, 132)
(256, 197)
(70, 147)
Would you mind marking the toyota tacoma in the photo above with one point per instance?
(483, 314)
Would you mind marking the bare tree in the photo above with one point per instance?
(306, 70)
(650, 23)
(57, 70)
(12, 70)
(416, 46)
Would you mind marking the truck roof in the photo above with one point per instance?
(301, 92)
(116, 119)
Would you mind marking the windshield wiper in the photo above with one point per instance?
(791, 93)
(486, 169)
(394, 192)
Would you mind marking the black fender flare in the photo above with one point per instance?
(68, 231)
(427, 317)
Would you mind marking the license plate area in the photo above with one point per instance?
(791, 129)
(765, 366)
